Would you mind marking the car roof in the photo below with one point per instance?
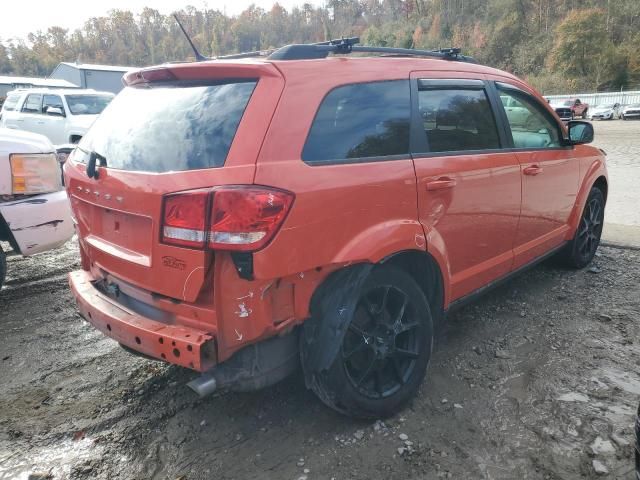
(340, 65)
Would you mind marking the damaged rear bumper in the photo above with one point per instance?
(177, 344)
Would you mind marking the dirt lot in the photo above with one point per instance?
(535, 381)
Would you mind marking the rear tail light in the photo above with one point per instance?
(185, 219)
(241, 218)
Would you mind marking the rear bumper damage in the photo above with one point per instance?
(177, 344)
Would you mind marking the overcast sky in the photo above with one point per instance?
(19, 17)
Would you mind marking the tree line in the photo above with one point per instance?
(557, 45)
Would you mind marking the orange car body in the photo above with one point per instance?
(477, 216)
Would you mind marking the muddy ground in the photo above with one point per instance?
(537, 380)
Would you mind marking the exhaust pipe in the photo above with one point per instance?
(204, 385)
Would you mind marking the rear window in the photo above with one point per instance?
(169, 128)
(10, 103)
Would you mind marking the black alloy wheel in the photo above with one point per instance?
(581, 250)
(590, 228)
(385, 350)
(381, 346)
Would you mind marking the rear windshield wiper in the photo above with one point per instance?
(92, 171)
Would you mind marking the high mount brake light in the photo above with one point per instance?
(240, 218)
(149, 76)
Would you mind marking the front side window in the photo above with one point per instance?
(361, 120)
(87, 104)
(457, 119)
(531, 126)
(52, 101)
(33, 103)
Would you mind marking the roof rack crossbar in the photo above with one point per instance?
(343, 43)
(347, 45)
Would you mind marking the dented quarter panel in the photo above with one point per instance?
(39, 223)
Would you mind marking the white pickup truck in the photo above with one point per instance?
(62, 115)
(34, 208)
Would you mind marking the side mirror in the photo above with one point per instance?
(56, 111)
(580, 132)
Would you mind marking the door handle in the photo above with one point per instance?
(41, 123)
(441, 183)
(532, 170)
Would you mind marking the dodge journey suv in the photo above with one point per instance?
(240, 217)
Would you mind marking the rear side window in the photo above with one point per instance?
(33, 104)
(361, 121)
(169, 128)
(10, 103)
(457, 119)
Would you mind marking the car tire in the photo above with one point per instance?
(3, 266)
(622, 117)
(581, 250)
(385, 351)
(584, 114)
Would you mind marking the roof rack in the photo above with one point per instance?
(348, 45)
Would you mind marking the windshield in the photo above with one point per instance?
(87, 104)
(169, 128)
(607, 106)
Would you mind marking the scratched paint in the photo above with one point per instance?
(243, 311)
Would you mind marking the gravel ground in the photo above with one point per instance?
(621, 142)
(537, 380)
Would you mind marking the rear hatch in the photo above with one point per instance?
(172, 129)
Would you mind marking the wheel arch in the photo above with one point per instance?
(6, 235)
(426, 272)
(602, 183)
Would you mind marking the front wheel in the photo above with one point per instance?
(582, 248)
(385, 351)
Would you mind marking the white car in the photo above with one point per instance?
(609, 111)
(63, 115)
(34, 209)
(631, 111)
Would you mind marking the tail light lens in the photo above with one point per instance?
(241, 218)
(185, 219)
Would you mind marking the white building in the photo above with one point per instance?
(98, 77)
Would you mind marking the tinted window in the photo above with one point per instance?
(33, 103)
(87, 104)
(531, 125)
(165, 128)
(457, 119)
(10, 103)
(359, 121)
(52, 101)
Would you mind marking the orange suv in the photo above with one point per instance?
(240, 217)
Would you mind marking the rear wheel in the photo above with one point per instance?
(385, 351)
(582, 248)
(585, 113)
(3, 266)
